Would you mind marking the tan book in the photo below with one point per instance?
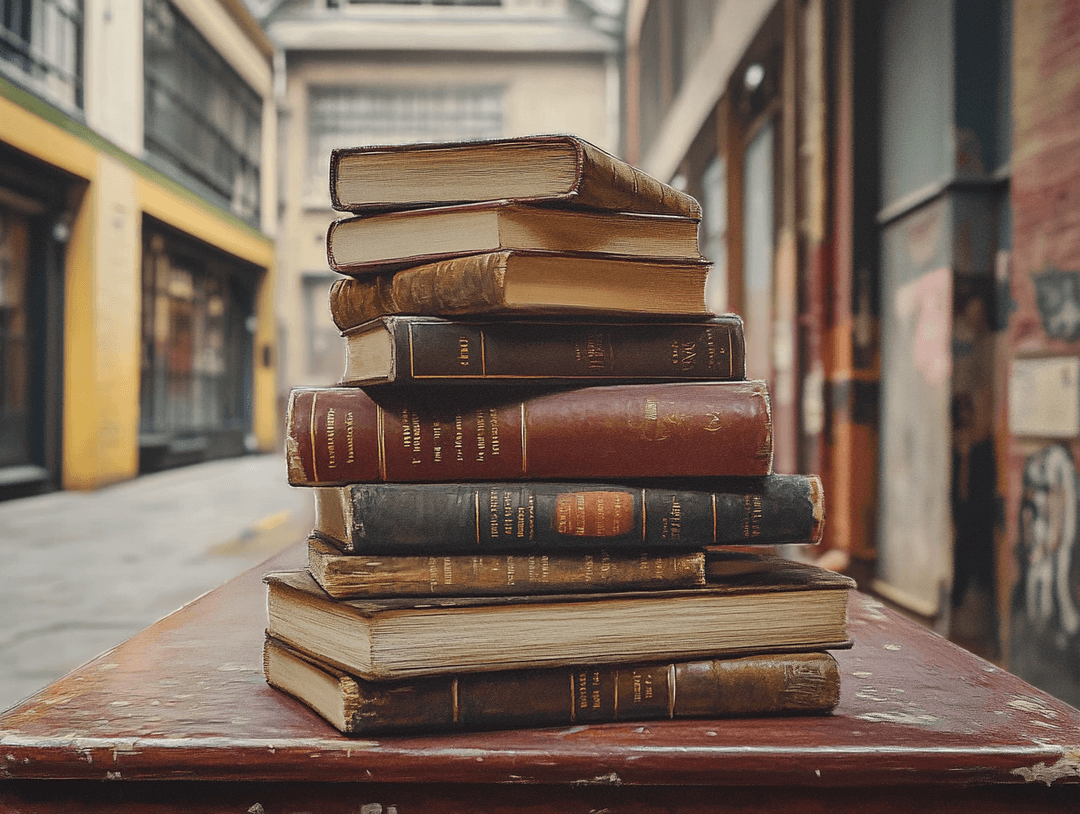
(525, 283)
(781, 606)
(767, 684)
(555, 168)
(394, 240)
(354, 576)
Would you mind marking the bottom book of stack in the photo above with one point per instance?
(751, 641)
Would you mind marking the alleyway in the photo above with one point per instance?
(81, 572)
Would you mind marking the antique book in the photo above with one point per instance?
(750, 686)
(377, 576)
(544, 516)
(555, 168)
(339, 435)
(524, 283)
(416, 349)
(389, 241)
(760, 605)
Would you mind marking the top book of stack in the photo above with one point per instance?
(561, 170)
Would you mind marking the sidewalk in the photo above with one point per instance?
(82, 571)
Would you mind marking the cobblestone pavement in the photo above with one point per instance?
(82, 571)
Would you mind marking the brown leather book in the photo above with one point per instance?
(751, 686)
(431, 350)
(556, 168)
(395, 240)
(764, 605)
(345, 576)
(525, 283)
(340, 435)
(546, 516)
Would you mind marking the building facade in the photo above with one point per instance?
(888, 196)
(354, 72)
(136, 259)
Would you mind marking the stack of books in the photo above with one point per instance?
(543, 450)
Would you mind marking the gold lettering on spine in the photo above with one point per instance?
(349, 438)
(454, 700)
(331, 452)
(311, 430)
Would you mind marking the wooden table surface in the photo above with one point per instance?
(183, 709)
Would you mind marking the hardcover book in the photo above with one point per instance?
(533, 517)
(418, 350)
(341, 435)
(376, 576)
(560, 169)
(764, 605)
(768, 684)
(525, 283)
(395, 240)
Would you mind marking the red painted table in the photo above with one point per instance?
(179, 718)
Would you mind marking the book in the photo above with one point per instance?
(751, 686)
(376, 576)
(418, 350)
(773, 605)
(543, 516)
(339, 435)
(389, 241)
(555, 168)
(525, 283)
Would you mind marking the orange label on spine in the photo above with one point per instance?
(594, 514)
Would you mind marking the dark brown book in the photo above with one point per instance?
(419, 350)
(340, 435)
(555, 168)
(766, 606)
(546, 516)
(346, 576)
(751, 686)
(389, 241)
(525, 283)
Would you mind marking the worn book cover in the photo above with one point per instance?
(766, 684)
(553, 168)
(761, 605)
(389, 241)
(545, 516)
(342, 435)
(432, 350)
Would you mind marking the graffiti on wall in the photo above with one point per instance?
(1046, 600)
(1057, 296)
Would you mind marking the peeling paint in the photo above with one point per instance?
(1033, 705)
(611, 779)
(112, 775)
(892, 647)
(1067, 766)
(900, 718)
(862, 674)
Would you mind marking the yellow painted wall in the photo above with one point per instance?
(102, 293)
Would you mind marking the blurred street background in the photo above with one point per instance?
(83, 571)
(889, 198)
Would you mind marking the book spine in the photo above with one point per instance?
(607, 182)
(438, 350)
(461, 285)
(422, 518)
(351, 577)
(805, 683)
(715, 429)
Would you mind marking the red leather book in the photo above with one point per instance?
(340, 435)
